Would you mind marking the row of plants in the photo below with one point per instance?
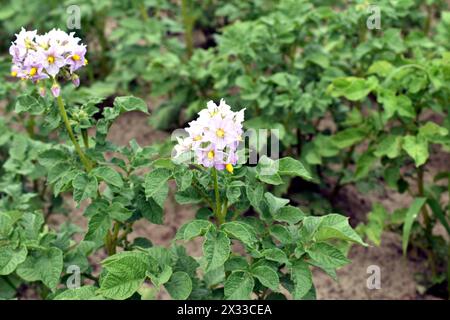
(279, 243)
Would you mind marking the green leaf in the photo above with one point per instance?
(289, 214)
(275, 203)
(267, 276)
(291, 167)
(130, 103)
(28, 103)
(109, 175)
(411, 216)
(194, 229)
(275, 254)
(117, 211)
(352, 88)
(82, 293)
(155, 181)
(98, 227)
(417, 148)
(381, 68)
(376, 220)
(431, 131)
(241, 231)
(302, 278)
(216, 250)
(84, 187)
(11, 257)
(389, 146)
(336, 226)
(51, 157)
(149, 209)
(281, 233)
(126, 272)
(161, 278)
(438, 212)
(42, 265)
(238, 286)
(267, 171)
(327, 255)
(364, 164)
(180, 286)
(348, 137)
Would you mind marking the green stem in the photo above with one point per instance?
(217, 211)
(85, 136)
(143, 11)
(62, 111)
(427, 25)
(30, 126)
(225, 209)
(116, 229)
(427, 220)
(188, 24)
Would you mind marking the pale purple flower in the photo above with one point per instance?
(76, 60)
(53, 60)
(214, 136)
(222, 132)
(38, 57)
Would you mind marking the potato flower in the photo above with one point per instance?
(49, 56)
(214, 136)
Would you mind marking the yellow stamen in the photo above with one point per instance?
(51, 59)
(229, 168)
(197, 138)
(211, 154)
(220, 133)
(33, 71)
(75, 57)
(13, 73)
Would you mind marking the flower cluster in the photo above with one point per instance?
(214, 136)
(56, 53)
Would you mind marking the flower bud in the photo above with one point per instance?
(75, 80)
(56, 89)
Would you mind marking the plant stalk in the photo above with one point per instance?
(62, 111)
(188, 24)
(426, 220)
(217, 211)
